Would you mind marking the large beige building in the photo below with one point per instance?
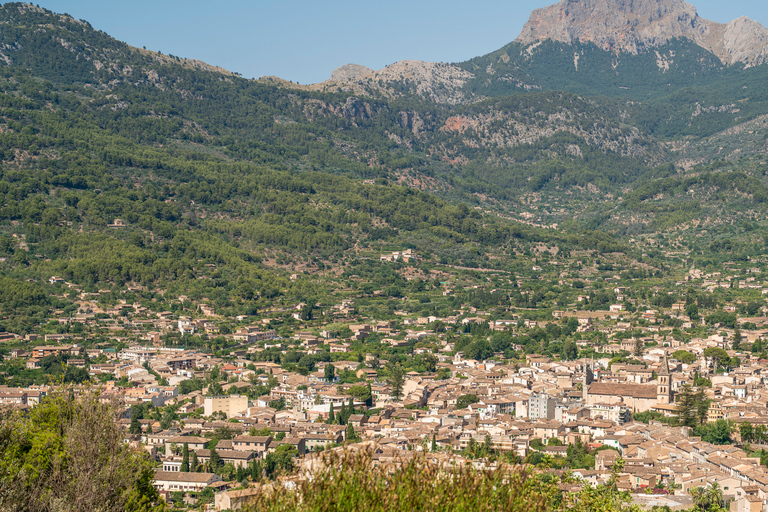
(228, 404)
(636, 397)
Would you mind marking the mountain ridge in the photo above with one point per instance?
(646, 33)
(630, 26)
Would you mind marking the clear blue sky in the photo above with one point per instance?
(304, 40)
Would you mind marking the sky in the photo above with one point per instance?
(305, 40)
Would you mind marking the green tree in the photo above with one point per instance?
(701, 402)
(280, 461)
(736, 345)
(717, 355)
(465, 400)
(684, 356)
(68, 453)
(718, 433)
(687, 412)
(708, 499)
(396, 381)
(330, 373)
(135, 427)
(215, 461)
(185, 458)
(746, 432)
(430, 362)
(193, 465)
(351, 434)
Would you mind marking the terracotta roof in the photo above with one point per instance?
(633, 390)
(180, 476)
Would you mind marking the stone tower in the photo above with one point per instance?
(663, 386)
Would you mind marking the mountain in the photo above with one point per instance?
(630, 26)
(637, 49)
(465, 162)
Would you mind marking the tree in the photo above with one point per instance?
(434, 443)
(430, 362)
(215, 461)
(701, 402)
(193, 465)
(351, 434)
(465, 400)
(350, 409)
(746, 432)
(761, 434)
(185, 458)
(692, 310)
(330, 373)
(570, 351)
(280, 461)
(331, 416)
(708, 499)
(396, 381)
(135, 427)
(718, 433)
(68, 453)
(639, 346)
(687, 407)
(487, 448)
(684, 356)
(717, 355)
(215, 389)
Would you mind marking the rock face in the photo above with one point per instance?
(349, 72)
(634, 25)
(436, 81)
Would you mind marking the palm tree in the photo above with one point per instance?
(708, 499)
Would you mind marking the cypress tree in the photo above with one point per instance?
(351, 434)
(342, 414)
(185, 458)
(135, 427)
(256, 470)
(331, 416)
(215, 460)
(193, 465)
(369, 400)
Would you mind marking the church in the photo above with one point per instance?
(637, 397)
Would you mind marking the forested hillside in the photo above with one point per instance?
(226, 185)
(172, 175)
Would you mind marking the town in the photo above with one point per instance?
(665, 379)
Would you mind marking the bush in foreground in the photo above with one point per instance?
(68, 455)
(346, 481)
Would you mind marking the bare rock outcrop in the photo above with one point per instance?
(349, 72)
(633, 25)
(436, 81)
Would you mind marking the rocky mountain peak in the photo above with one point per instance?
(633, 25)
(349, 72)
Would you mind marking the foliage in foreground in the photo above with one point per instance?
(348, 481)
(68, 454)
